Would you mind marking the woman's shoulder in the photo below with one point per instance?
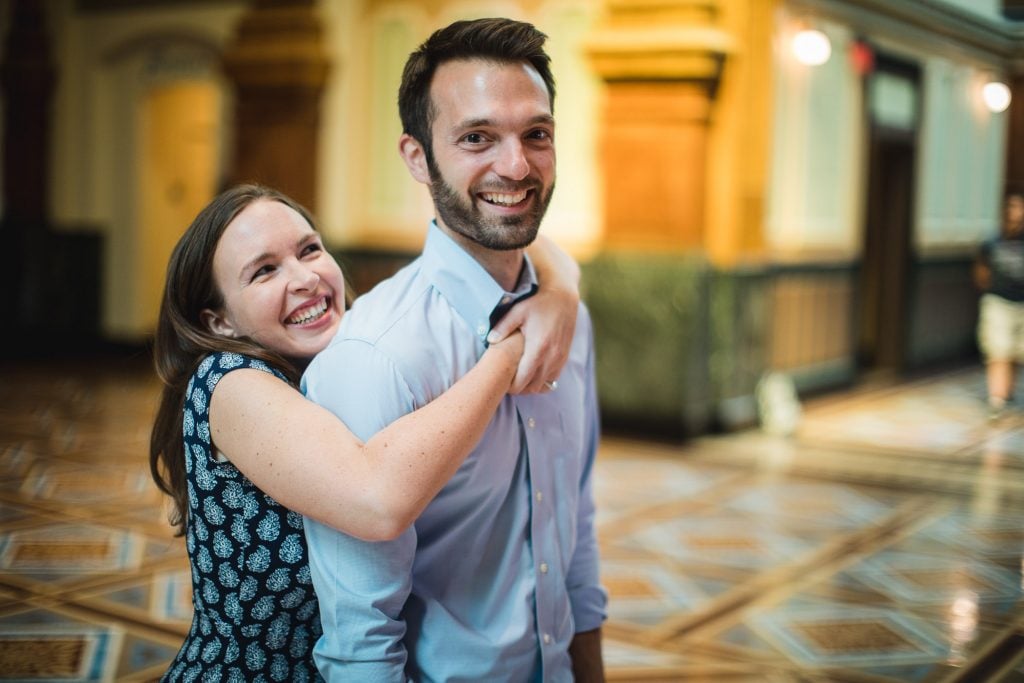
(226, 361)
(215, 365)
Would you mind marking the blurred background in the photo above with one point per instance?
(751, 185)
(776, 204)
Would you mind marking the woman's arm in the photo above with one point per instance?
(982, 274)
(303, 457)
(547, 320)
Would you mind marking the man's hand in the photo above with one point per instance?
(585, 652)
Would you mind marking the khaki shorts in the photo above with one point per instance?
(1001, 328)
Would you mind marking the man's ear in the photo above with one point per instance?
(414, 157)
(217, 323)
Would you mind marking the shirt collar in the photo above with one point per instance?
(470, 289)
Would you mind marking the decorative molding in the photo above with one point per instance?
(932, 18)
(659, 40)
(279, 46)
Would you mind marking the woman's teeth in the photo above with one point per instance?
(309, 314)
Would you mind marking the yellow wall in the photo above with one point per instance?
(180, 127)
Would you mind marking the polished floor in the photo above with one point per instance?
(883, 542)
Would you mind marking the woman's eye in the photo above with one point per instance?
(263, 270)
(312, 248)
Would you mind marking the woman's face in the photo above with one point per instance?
(280, 286)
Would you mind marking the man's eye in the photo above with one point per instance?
(474, 138)
(540, 134)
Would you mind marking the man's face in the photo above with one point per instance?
(1014, 214)
(493, 170)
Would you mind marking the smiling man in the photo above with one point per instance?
(498, 580)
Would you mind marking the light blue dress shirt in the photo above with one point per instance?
(501, 570)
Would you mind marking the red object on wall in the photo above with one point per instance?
(862, 56)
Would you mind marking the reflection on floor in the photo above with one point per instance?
(883, 543)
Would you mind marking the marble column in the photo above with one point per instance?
(278, 67)
(27, 79)
(661, 62)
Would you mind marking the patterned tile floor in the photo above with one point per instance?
(884, 542)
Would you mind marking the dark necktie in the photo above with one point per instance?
(501, 309)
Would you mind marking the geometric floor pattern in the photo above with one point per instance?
(883, 542)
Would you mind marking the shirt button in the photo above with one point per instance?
(547, 639)
(531, 423)
(540, 496)
(481, 330)
(506, 299)
(543, 567)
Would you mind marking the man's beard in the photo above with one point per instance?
(501, 233)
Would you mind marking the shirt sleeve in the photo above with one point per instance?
(588, 598)
(362, 586)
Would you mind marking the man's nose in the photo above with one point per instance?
(512, 162)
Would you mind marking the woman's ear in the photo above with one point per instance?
(414, 157)
(217, 323)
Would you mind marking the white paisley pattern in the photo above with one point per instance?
(256, 615)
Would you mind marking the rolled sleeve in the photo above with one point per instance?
(362, 586)
(588, 598)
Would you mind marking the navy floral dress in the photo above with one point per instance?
(256, 616)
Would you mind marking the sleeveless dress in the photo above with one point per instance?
(256, 616)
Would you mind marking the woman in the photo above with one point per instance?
(251, 295)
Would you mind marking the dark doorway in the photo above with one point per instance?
(892, 101)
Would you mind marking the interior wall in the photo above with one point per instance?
(109, 63)
(961, 164)
(814, 203)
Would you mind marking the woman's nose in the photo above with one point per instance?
(304, 278)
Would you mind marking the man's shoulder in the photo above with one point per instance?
(392, 326)
(392, 303)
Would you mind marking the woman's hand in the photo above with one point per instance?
(548, 321)
(511, 350)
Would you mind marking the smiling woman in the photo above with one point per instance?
(251, 296)
(280, 287)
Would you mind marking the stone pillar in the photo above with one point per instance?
(278, 67)
(661, 62)
(27, 77)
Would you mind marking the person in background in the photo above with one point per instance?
(999, 274)
(251, 295)
(498, 579)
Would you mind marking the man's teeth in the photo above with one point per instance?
(503, 199)
(308, 314)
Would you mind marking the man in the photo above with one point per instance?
(498, 580)
(999, 273)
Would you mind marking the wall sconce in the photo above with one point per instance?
(996, 96)
(811, 47)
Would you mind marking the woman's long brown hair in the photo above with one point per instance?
(182, 340)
